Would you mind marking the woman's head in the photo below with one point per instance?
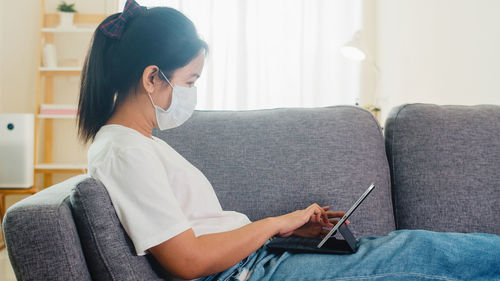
(157, 39)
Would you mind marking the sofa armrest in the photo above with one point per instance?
(41, 236)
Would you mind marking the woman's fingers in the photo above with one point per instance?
(335, 221)
(322, 215)
(335, 214)
(317, 214)
(325, 231)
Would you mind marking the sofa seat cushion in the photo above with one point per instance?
(108, 250)
(445, 163)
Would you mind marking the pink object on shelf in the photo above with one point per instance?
(58, 111)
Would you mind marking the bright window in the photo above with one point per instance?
(273, 53)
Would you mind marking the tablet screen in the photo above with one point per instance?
(347, 214)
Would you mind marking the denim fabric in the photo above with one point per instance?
(401, 255)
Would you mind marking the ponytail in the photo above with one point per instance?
(97, 93)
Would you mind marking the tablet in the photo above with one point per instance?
(346, 216)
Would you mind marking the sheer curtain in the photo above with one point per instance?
(273, 53)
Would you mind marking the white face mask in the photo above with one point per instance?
(181, 107)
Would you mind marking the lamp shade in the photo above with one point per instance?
(354, 49)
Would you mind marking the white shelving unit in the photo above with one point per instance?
(61, 167)
(45, 163)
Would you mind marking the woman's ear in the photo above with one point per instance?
(149, 78)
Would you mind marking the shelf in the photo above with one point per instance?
(61, 68)
(65, 71)
(68, 30)
(8, 191)
(55, 116)
(52, 19)
(57, 111)
(60, 168)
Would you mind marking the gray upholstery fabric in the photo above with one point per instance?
(445, 163)
(110, 252)
(269, 162)
(41, 236)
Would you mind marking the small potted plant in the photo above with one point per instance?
(66, 13)
(375, 110)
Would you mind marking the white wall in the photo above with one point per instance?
(19, 52)
(2, 42)
(368, 38)
(443, 52)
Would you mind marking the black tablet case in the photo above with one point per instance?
(309, 245)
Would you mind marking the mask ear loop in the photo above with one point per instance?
(172, 93)
(161, 72)
(149, 94)
(151, 99)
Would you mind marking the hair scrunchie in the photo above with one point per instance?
(114, 28)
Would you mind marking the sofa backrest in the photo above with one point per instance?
(270, 162)
(262, 163)
(445, 167)
(41, 237)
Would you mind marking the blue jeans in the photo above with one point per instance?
(401, 255)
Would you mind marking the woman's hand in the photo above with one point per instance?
(314, 214)
(315, 230)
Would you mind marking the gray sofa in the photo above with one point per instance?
(435, 169)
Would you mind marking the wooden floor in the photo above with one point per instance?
(6, 272)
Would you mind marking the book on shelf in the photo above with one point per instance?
(58, 109)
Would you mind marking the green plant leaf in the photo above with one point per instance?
(65, 7)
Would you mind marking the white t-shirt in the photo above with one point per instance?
(157, 194)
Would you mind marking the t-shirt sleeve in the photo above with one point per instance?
(142, 197)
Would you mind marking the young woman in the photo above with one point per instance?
(139, 74)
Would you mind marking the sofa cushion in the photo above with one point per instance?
(270, 162)
(109, 251)
(41, 236)
(445, 163)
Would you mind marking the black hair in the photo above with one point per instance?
(159, 36)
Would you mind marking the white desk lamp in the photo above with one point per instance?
(355, 50)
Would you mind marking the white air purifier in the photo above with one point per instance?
(16, 150)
